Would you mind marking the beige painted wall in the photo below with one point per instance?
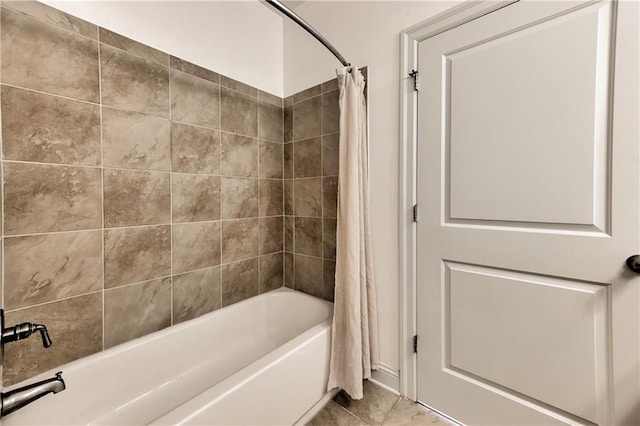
(367, 33)
(240, 39)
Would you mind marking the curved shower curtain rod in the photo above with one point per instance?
(298, 20)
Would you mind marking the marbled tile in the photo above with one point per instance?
(271, 272)
(329, 196)
(239, 156)
(288, 101)
(287, 159)
(195, 246)
(270, 160)
(41, 198)
(270, 197)
(289, 279)
(239, 197)
(330, 85)
(308, 236)
(308, 158)
(137, 254)
(270, 122)
(240, 281)
(133, 83)
(196, 293)
(269, 98)
(44, 268)
(49, 59)
(50, 15)
(245, 89)
(287, 123)
(271, 234)
(49, 129)
(136, 198)
(308, 274)
(307, 197)
(288, 233)
(330, 154)
(288, 197)
(135, 141)
(75, 327)
(195, 198)
(136, 310)
(195, 149)
(307, 93)
(329, 238)
(333, 414)
(409, 413)
(132, 46)
(239, 113)
(329, 280)
(374, 407)
(330, 112)
(193, 69)
(194, 100)
(307, 119)
(240, 239)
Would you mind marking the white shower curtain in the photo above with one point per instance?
(354, 345)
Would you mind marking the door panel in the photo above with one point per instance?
(529, 187)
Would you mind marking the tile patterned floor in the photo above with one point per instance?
(378, 407)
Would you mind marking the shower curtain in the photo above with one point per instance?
(354, 345)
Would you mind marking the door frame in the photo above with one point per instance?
(409, 40)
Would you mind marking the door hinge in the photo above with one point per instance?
(416, 79)
(415, 344)
(415, 213)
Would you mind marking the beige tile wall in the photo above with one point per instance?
(141, 190)
(311, 134)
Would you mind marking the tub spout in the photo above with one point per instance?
(18, 398)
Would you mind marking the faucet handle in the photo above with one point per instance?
(24, 330)
(46, 340)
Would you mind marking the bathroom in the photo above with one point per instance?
(170, 183)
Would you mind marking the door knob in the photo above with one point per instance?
(633, 262)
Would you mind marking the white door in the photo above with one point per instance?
(529, 197)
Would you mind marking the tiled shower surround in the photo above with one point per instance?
(141, 191)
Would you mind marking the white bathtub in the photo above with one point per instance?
(261, 361)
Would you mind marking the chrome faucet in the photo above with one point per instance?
(18, 398)
(19, 332)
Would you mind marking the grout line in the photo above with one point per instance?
(102, 259)
(75, 296)
(322, 295)
(259, 210)
(395, 406)
(171, 313)
(221, 292)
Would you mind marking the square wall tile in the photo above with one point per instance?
(240, 239)
(288, 233)
(330, 85)
(132, 46)
(308, 158)
(308, 236)
(287, 123)
(136, 198)
(42, 198)
(307, 119)
(198, 71)
(270, 197)
(271, 271)
(239, 197)
(288, 196)
(133, 83)
(195, 197)
(288, 160)
(329, 196)
(270, 160)
(308, 275)
(289, 279)
(137, 254)
(329, 280)
(44, 268)
(269, 98)
(49, 129)
(239, 156)
(330, 154)
(135, 141)
(195, 246)
(239, 281)
(307, 93)
(329, 238)
(239, 113)
(271, 234)
(58, 18)
(195, 149)
(75, 327)
(48, 59)
(194, 100)
(307, 194)
(136, 310)
(330, 112)
(238, 86)
(270, 124)
(196, 293)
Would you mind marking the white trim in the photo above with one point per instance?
(318, 406)
(409, 39)
(387, 378)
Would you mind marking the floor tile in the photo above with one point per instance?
(410, 413)
(333, 414)
(374, 408)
